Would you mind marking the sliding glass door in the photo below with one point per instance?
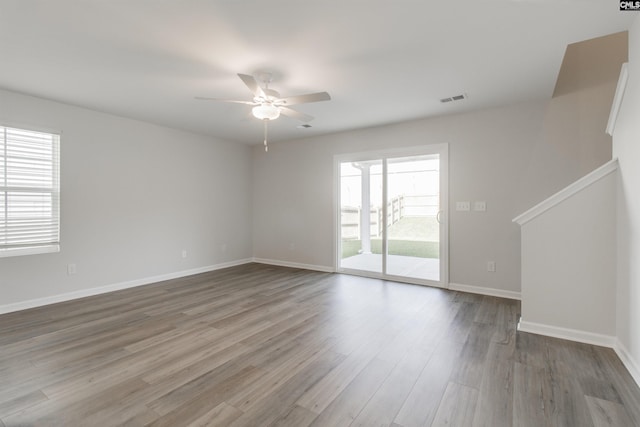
(361, 215)
(392, 214)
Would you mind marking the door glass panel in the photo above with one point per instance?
(361, 216)
(413, 204)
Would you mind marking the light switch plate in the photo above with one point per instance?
(480, 206)
(463, 206)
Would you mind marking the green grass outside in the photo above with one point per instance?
(411, 236)
(396, 247)
(425, 229)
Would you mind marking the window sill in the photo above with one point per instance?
(34, 250)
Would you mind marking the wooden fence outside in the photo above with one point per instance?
(397, 208)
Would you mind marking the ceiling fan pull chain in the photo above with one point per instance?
(266, 148)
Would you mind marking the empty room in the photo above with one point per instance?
(337, 213)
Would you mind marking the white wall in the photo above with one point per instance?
(133, 195)
(490, 151)
(569, 266)
(626, 146)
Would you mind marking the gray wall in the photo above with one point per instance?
(490, 155)
(133, 196)
(569, 264)
(626, 147)
(512, 157)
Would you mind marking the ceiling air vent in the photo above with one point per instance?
(453, 98)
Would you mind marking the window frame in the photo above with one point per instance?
(34, 247)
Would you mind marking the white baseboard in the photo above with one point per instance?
(493, 292)
(628, 361)
(312, 267)
(588, 338)
(39, 302)
(567, 334)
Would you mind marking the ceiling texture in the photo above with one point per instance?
(382, 61)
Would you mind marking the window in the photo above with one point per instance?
(29, 192)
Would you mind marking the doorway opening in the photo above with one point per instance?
(392, 218)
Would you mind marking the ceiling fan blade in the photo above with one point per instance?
(303, 99)
(295, 114)
(252, 84)
(204, 98)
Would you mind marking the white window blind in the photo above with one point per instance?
(29, 192)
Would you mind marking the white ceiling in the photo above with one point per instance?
(382, 61)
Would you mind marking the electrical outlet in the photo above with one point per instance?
(491, 266)
(71, 269)
(223, 247)
(184, 253)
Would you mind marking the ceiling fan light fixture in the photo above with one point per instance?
(266, 112)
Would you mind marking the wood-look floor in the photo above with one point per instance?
(266, 346)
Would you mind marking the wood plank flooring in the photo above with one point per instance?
(258, 345)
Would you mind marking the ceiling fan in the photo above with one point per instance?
(267, 103)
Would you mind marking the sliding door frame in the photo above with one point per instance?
(443, 151)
